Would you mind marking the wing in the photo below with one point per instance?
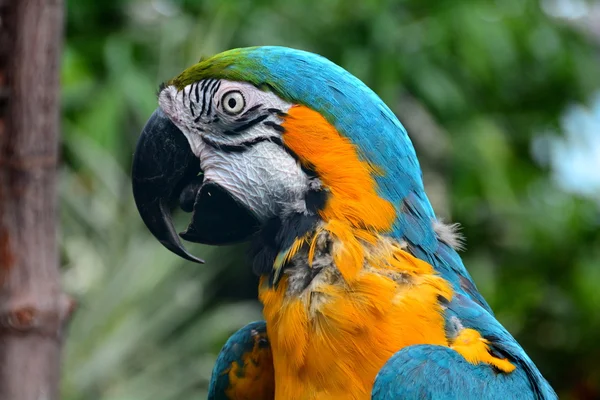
(437, 372)
(440, 373)
(244, 367)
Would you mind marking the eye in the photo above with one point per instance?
(233, 102)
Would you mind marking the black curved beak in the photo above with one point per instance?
(162, 163)
(165, 174)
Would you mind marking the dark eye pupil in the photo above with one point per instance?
(231, 103)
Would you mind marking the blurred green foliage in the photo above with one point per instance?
(476, 83)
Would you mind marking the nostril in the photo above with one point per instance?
(187, 198)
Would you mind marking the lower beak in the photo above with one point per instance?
(165, 174)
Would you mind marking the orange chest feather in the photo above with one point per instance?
(330, 341)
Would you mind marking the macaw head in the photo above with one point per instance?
(266, 138)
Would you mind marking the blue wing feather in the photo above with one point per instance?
(248, 345)
(426, 372)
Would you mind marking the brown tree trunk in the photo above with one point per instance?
(33, 309)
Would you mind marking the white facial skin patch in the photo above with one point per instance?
(234, 129)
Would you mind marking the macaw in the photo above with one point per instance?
(364, 293)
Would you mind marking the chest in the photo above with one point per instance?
(330, 339)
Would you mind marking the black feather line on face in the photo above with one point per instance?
(275, 126)
(246, 126)
(251, 110)
(277, 112)
(243, 146)
(205, 84)
(191, 104)
(196, 92)
(212, 91)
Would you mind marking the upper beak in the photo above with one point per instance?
(162, 163)
(165, 173)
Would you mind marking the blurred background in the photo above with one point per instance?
(501, 99)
